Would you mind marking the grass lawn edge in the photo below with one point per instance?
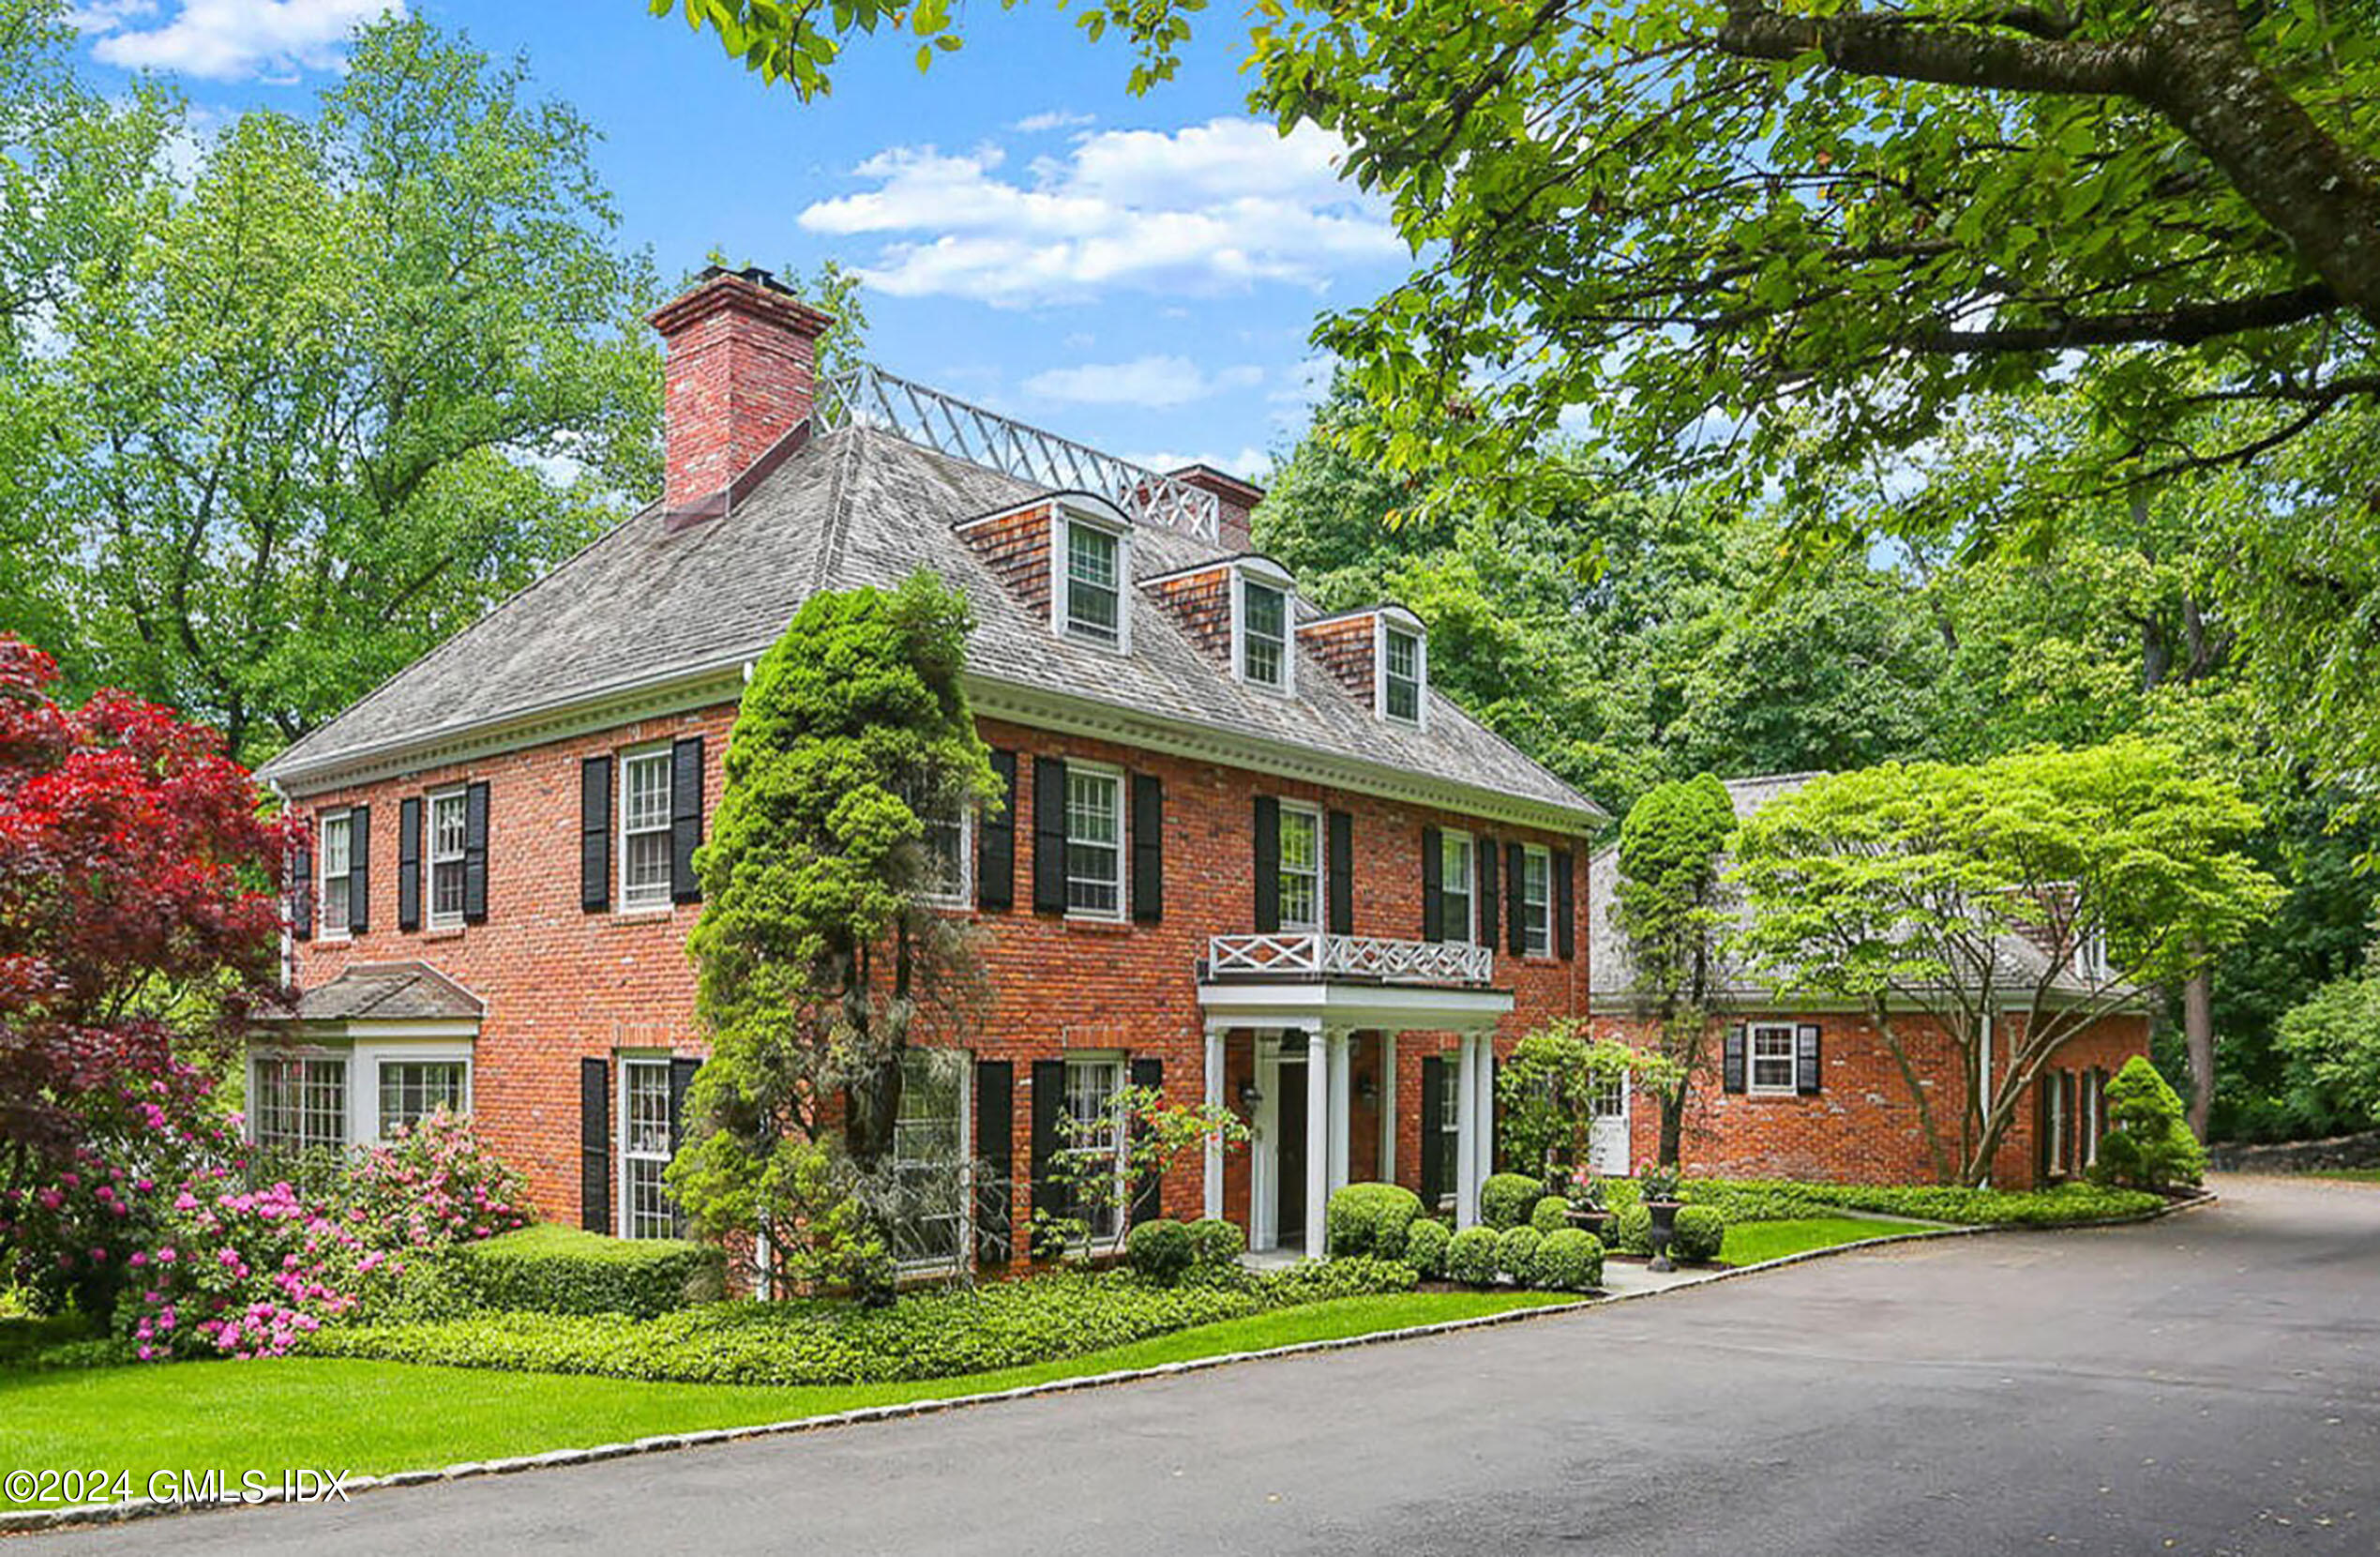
(21, 1520)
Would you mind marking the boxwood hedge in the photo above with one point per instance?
(561, 1270)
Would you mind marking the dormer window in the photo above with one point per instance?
(1260, 627)
(1402, 668)
(1087, 602)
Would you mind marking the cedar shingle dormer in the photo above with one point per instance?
(1015, 545)
(1199, 599)
(1354, 645)
(1038, 550)
(1210, 601)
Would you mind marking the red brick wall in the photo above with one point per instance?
(560, 983)
(740, 372)
(1861, 1127)
(1202, 602)
(1345, 647)
(1016, 546)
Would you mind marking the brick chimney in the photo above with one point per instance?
(1235, 501)
(742, 369)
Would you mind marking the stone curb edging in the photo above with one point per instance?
(20, 1522)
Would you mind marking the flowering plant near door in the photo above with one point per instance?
(1109, 1186)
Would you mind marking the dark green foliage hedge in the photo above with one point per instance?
(1471, 1257)
(1425, 1246)
(1161, 1251)
(1506, 1199)
(1778, 1199)
(1217, 1244)
(1371, 1218)
(1700, 1231)
(927, 1335)
(1551, 1215)
(1631, 1229)
(1569, 1259)
(1516, 1252)
(59, 1341)
(562, 1270)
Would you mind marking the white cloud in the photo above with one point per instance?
(1056, 119)
(1249, 464)
(1158, 382)
(1213, 208)
(228, 40)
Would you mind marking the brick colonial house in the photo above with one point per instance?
(1805, 1088)
(1250, 855)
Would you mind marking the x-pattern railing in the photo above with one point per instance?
(1308, 954)
(868, 395)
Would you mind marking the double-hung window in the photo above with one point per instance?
(1301, 869)
(1264, 633)
(1771, 1044)
(1095, 842)
(1446, 1136)
(949, 860)
(646, 1210)
(413, 1090)
(299, 1102)
(445, 859)
(1456, 920)
(1401, 674)
(338, 864)
(1094, 599)
(1096, 1137)
(929, 1158)
(644, 829)
(1537, 901)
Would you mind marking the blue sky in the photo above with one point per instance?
(1137, 273)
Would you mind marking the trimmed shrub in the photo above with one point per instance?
(1631, 1229)
(1506, 1199)
(1216, 1243)
(1569, 1259)
(1320, 1280)
(1926, 1203)
(1371, 1218)
(1471, 1257)
(1551, 1215)
(2151, 1146)
(1160, 1252)
(1425, 1245)
(562, 1270)
(1516, 1252)
(1700, 1232)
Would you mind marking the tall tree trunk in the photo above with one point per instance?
(2198, 1033)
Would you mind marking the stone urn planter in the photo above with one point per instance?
(1590, 1219)
(1664, 1227)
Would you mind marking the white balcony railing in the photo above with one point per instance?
(1311, 954)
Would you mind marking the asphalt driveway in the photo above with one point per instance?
(2208, 1384)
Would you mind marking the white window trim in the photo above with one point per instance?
(1537, 852)
(1753, 1085)
(966, 1256)
(965, 895)
(622, 1208)
(1061, 518)
(1243, 573)
(375, 1057)
(257, 1057)
(324, 929)
(1470, 888)
(1321, 910)
(620, 827)
(1383, 626)
(430, 803)
(1117, 1058)
(1122, 911)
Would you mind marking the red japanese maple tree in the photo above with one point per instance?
(140, 925)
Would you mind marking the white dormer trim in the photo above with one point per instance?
(1092, 512)
(1397, 618)
(1265, 571)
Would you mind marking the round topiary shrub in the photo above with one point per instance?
(1569, 1261)
(2151, 1146)
(1700, 1232)
(1632, 1230)
(1371, 1218)
(1216, 1243)
(1516, 1253)
(1506, 1199)
(1425, 1245)
(1551, 1215)
(1160, 1252)
(1471, 1257)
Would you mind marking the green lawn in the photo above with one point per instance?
(371, 1417)
(1750, 1243)
(2358, 1176)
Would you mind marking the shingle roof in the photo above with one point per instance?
(384, 992)
(861, 506)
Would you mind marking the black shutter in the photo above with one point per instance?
(359, 871)
(1267, 865)
(682, 1070)
(2070, 1113)
(409, 863)
(1148, 1190)
(1433, 883)
(1433, 1108)
(1048, 1099)
(1565, 906)
(1807, 1077)
(1483, 868)
(475, 854)
(594, 834)
(301, 892)
(1516, 898)
(996, 841)
(2042, 1128)
(686, 818)
(1340, 862)
(1049, 836)
(1732, 1061)
(594, 1144)
(995, 1148)
(1148, 848)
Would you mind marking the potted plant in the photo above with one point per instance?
(1659, 1183)
(1588, 1212)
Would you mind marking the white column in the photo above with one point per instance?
(1465, 1133)
(1215, 1100)
(1342, 1115)
(1318, 1139)
(1484, 1131)
(1388, 1107)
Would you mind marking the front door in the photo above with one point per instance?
(1288, 1152)
(1607, 1136)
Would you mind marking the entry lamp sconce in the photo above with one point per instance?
(1368, 1090)
(1249, 1097)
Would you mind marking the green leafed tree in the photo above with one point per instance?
(819, 961)
(1672, 908)
(2014, 902)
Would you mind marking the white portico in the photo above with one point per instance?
(1306, 1002)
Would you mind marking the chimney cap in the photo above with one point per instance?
(754, 290)
(1247, 494)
